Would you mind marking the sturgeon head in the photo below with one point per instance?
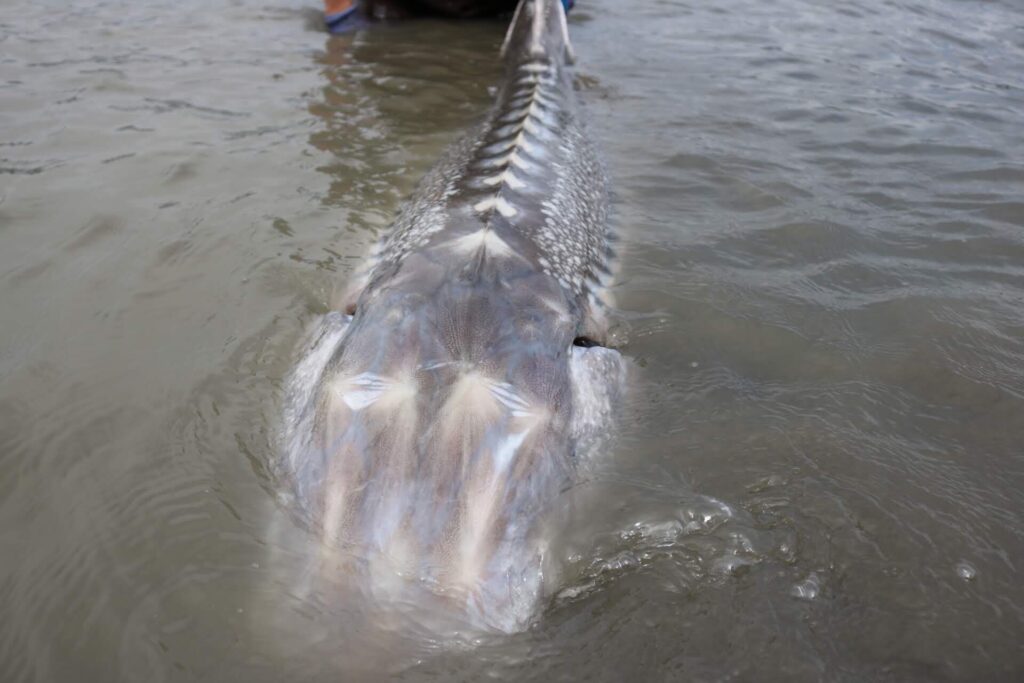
(432, 432)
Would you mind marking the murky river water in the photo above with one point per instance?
(821, 472)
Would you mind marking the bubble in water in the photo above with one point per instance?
(966, 571)
(769, 482)
(807, 589)
(787, 552)
(731, 564)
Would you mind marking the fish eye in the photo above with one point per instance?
(585, 342)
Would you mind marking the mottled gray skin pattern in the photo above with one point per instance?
(447, 416)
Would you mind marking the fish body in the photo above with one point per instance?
(437, 418)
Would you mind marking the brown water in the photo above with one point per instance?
(821, 474)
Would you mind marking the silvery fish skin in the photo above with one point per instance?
(435, 421)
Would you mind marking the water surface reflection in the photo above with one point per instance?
(820, 476)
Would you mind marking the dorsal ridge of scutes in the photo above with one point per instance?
(538, 31)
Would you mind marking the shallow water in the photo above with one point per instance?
(822, 208)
